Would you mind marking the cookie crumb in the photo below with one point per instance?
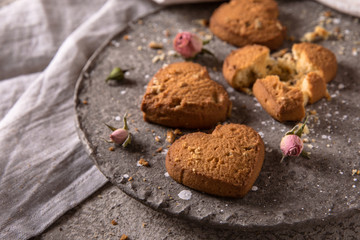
(159, 149)
(113, 222)
(170, 137)
(177, 132)
(327, 14)
(85, 102)
(124, 237)
(157, 58)
(144, 225)
(130, 179)
(111, 149)
(354, 51)
(172, 53)
(143, 162)
(157, 139)
(126, 37)
(167, 33)
(202, 22)
(279, 53)
(155, 45)
(312, 112)
(319, 33)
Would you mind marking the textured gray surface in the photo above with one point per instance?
(300, 190)
(92, 220)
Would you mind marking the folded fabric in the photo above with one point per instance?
(44, 168)
(351, 7)
(170, 2)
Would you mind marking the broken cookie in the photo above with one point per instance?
(307, 69)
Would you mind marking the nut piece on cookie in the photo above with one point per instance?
(282, 102)
(243, 66)
(182, 95)
(243, 22)
(224, 163)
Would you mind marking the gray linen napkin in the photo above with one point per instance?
(44, 170)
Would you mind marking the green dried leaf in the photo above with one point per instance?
(204, 42)
(116, 74)
(111, 127)
(305, 154)
(126, 127)
(204, 50)
(301, 129)
(127, 141)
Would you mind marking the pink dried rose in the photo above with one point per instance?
(120, 136)
(187, 44)
(291, 144)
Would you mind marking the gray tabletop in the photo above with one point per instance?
(93, 220)
(110, 213)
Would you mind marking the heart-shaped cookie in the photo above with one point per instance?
(242, 22)
(183, 95)
(224, 163)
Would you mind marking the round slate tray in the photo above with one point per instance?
(298, 191)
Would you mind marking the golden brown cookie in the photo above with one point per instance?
(312, 57)
(282, 102)
(308, 68)
(243, 66)
(224, 163)
(243, 22)
(183, 95)
(313, 87)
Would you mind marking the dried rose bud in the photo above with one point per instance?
(187, 44)
(119, 136)
(291, 145)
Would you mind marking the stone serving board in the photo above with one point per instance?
(295, 192)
